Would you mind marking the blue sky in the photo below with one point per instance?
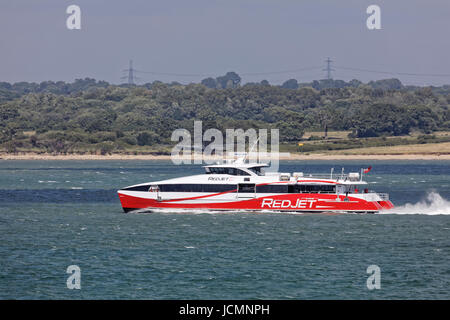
(212, 37)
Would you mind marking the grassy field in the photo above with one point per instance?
(337, 143)
(431, 151)
(331, 134)
(429, 148)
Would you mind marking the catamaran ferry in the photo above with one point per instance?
(237, 185)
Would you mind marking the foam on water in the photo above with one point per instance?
(433, 204)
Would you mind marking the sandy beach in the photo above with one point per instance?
(292, 156)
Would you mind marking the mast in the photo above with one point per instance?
(249, 151)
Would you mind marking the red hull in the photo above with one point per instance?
(286, 202)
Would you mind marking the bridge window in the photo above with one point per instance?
(256, 170)
(230, 171)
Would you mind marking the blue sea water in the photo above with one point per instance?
(54, 214)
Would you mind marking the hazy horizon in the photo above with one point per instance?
(201, 38)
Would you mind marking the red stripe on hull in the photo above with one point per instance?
(288, 202)
(386, 204)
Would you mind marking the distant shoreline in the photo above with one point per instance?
(293, 156)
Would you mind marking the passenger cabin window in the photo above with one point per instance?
(313, 188)
(272, 188)
(197, 187)
(256, 170)
(246, 188)
(230, 171)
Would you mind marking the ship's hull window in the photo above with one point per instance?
(243, 188)
(196, 187)
(313, 188)
(272, 189)
(246, 188)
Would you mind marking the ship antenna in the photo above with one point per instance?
(250, 150)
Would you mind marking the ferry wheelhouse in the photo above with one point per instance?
(236, 185)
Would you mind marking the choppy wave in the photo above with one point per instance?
(433, 204)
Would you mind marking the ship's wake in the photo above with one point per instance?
(433, 204)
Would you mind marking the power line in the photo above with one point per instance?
(131, 72)
(212, 75)
(175, 74)
(395, 73)
(279, 72)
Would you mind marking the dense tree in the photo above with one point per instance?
(382, 119)
(290, 84)
(62, 116)
(228, 81)
(147, 138)
(210, 83)
(386, 84)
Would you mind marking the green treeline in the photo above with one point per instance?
(94, 115)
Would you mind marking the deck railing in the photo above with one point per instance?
(334, 176)
(322, 176)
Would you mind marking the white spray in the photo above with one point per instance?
(433, 204)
